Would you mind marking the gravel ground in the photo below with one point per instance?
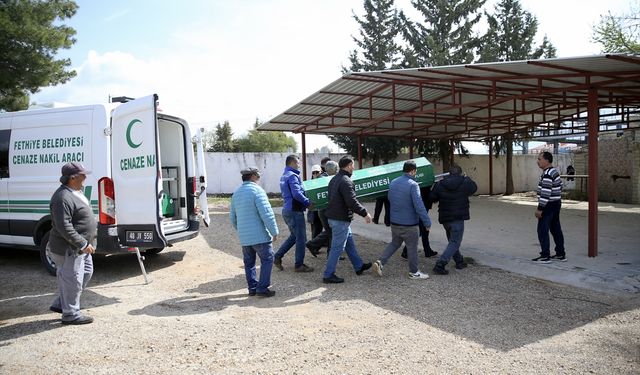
(195, 317)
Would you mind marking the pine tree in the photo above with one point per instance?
(30, 36)
(444, 37)
(511, 36)
(377, 49)
(224, 138)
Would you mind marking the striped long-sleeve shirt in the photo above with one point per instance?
(549, 187)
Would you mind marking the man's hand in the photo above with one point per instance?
(539, 214)
(274, 238)
(427, 228)
(367, 219)
(89, 249)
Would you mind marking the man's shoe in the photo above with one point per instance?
(559, 258)
(542, 260)
(252, 293)
(81, 320)
(439, 269)
(55, 309)
(267, 293)
(461, 265)
(375, 221)
(430, 253)
(278, 263)
(313, 250)
(333, 279)
(365, 266)
(418, 275)
(377, 267)
(304, 268)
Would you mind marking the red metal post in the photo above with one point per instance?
(359, 152)
(490, 166)
(594, 124)
(304, 156)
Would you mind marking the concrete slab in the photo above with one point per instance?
(502, 234)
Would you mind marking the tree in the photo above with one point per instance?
(377, 49)
(511, 36)
(30, 36)
(208, 139)
(444, 37)
(265, 141)
(619, 34)
(223, 138)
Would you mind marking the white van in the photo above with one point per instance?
(143, 186)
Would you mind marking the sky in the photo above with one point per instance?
(212, 61)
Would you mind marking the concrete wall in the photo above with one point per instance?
(223, 170)
(618, 167)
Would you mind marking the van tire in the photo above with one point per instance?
(46, 259)
(152, 251)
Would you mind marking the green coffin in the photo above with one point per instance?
(370, 182)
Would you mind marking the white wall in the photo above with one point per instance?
(223, 170)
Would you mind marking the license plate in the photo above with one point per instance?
(139, 236)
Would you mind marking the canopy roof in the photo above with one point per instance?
(472, 102)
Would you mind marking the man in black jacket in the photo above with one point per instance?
(453, 194)
(342, 204)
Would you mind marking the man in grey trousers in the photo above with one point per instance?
(407, 213)
(71, 242)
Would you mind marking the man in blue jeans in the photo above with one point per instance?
(342, 204)
(252, 217)
(548, 211)
(453, 194)
(295, 203)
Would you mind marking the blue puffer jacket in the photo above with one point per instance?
(292, 191)
(406, 203)
(251, 215)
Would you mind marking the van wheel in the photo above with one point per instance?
(152, 251)
(46, 258)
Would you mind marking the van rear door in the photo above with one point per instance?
(202, 178)
(135, 170)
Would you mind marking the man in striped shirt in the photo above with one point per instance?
(548, 211)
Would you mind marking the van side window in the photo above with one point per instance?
(5, 135)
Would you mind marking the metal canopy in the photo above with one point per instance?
(471, 102)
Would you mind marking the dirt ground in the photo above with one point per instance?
(195, 317)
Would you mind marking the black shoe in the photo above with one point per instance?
(278, 263)
(55, 309)
(313, 250)
(541, 259)
(365, 267)
(404, 253)
(559, 258)
(461, 265)
(81, 320)
(430, 253)
(439, 269)
(375, 221)
(333, 279)
(252, 293)
(304, 268)
(268, 293)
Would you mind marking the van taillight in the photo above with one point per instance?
(106, 201)
(194, 187)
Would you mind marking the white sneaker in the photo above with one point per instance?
(418, 275)
(377, 267)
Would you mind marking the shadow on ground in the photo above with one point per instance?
(492, 307)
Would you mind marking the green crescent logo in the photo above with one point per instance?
(129, 141)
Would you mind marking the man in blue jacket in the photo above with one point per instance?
(295, 203)
(453, 194)
(252, 217)
(407, 213)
